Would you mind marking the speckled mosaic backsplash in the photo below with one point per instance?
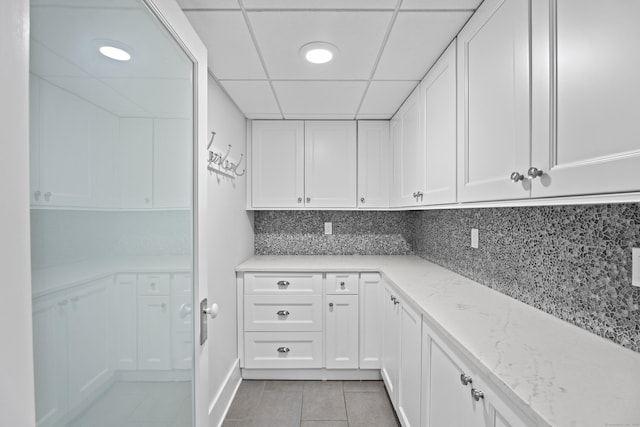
(573, 262)
(354, 233)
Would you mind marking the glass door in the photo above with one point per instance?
(111, 146)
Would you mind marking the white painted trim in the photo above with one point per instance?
(312, 374)
(595, 199)
(222, 401)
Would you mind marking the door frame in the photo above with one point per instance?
(174, 20)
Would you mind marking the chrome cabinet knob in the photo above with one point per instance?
(36, 194)
(185, 310)
(393, 298)
(516, 177)
(283, 283)
(415, 195)
(361, 199)
(477, 394)
(396, 301)
(47, 196)
(331, 304)
(342, 284)
(534, 172)
(299, 199)
(465, 379)
(283, 313)
(283, 350)
(308, 199)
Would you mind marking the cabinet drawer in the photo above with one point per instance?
(283, 284)
(286, 350)
(154, 284)
(282, 313)
(342, 283)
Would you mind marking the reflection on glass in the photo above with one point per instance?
(111, 218)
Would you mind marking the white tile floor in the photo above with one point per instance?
(140, 404)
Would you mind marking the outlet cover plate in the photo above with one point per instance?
(635, 267)
(474, 238)
(328, 228)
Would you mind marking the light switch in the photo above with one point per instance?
(474, 238)
(328, 228)
(635, 267)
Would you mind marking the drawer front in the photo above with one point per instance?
(342, 283)
(154, 284)
(282, 313)
(283, 283)
(285, 350)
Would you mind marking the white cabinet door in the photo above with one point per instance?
(277, 159)
(371, 320)
(493, 102)
(88, 336)
(136, 162)
(587, 96)
(438, 97)
(390, 342)
(66, 152)
(341, 332)
(172, 163)
(124, 315)
(330, 164)
(182, 321)
(395, 133)
(409, 152)
(374, 164)
(36, 197)
(104, 128)
(50, 358)
(154, 336)
(409, 402)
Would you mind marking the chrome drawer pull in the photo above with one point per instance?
(477, 394)
(283, 349)
(283, 283)
(465, 379)
(282, 313)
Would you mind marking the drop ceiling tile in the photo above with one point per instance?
(319, 98)
(209, 4)
(319, 4)
(357, 35)
(416, 42)
(374, 116)
(384, 98)
(231, 52)
(441, 4)
(263, 116)
(252, 97)
(102, 95)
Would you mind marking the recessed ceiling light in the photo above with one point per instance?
(318, 52)
(115, 53)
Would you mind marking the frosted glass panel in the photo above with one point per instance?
(111, 217)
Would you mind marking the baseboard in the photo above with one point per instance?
(311, 374)
(222, 401)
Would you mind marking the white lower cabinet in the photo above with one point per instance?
(409, 403)
(182, 321)
(455, 394)
(341, 331)
(370, 308)
(291, 350)
(88, 322)
(390, 342)
(125, 318)
(154, 333)
(50, 357)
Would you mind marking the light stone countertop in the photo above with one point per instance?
(52, 279)
(555, 372)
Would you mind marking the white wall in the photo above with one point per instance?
(230, 235)
(16, 357)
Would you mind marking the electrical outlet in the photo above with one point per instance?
(635, 267)
(474, 238)
(328, 228)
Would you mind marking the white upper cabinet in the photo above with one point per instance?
(374, 164)
(438, 98)
(409, 152)
(493, 102)
(330, 160)
(277, 156)
(136, 162)
(586, 100)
